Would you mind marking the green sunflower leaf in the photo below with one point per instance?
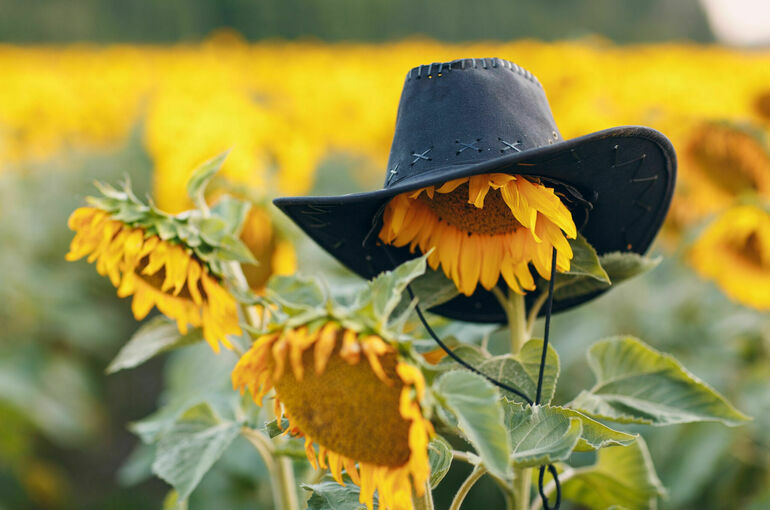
(521, 371)
(540, 435)
(186, 452)
(158, 335)
(196, 185)
(477, 406)
(212, 230)
(469, 353)
(440, 457)
(585, 262)
(637, 384)
(232, 248)
(297, 293)
(622, 477)
(619, 266)
(329, 495)
(382, 295)
(431, 289)
(595, 435)
(232, 211)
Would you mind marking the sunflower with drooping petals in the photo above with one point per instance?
(734, 251)
(483, 227)
(156, 273)
(352, 395)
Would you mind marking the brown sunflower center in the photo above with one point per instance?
(750, 251)
(762, 105)
(728, 158)
(494, 218)
(348, 410)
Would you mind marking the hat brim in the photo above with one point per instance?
(627, 173)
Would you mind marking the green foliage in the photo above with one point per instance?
(201, 176)
(622, 477)
(540, 436)
(521, 371)
(440, 457)
(546, 434)
(477, 406)
(156, 336)
(329, 495)
(637, 384)
(594, 435)
(616, 266)
(188, 450)
(585, 262)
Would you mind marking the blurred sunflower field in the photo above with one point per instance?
(318, 118)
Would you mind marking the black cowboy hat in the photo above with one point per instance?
(476, 116)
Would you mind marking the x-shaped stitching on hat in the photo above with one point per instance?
(464, 145)
(509, 146)
(423, 155)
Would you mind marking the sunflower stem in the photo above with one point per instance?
(466, 486)
(516, 312)
(521, 488)
(424, 502)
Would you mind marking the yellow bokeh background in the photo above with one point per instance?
(285, 107)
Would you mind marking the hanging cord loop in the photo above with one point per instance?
(538, 394)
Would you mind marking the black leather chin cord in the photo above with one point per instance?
(546, 332)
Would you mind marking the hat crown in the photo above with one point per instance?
(464, 112)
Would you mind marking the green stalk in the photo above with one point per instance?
(516, 313)
(424, 502)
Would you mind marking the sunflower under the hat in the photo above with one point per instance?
(734, 251)
(353, 396)
(483, 227)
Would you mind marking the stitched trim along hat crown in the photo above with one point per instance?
(479, 116)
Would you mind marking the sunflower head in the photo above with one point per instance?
(173, 263)
(734, 251)
(483, 227)
(351, 394)
(762, 105)
(732, 160)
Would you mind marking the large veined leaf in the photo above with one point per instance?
(521, 371)
(637, 384)
(232, 211)
(540, 435)
(297, 293)
(201, 176)
(469, 353)
(158, 335)
(595, 435)
(477, 406)
(440, 457)
(585, 262)
(383, 294)
(186, 452)
(618, 266)
(431, 289)
(329, 495)
(622, 477)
